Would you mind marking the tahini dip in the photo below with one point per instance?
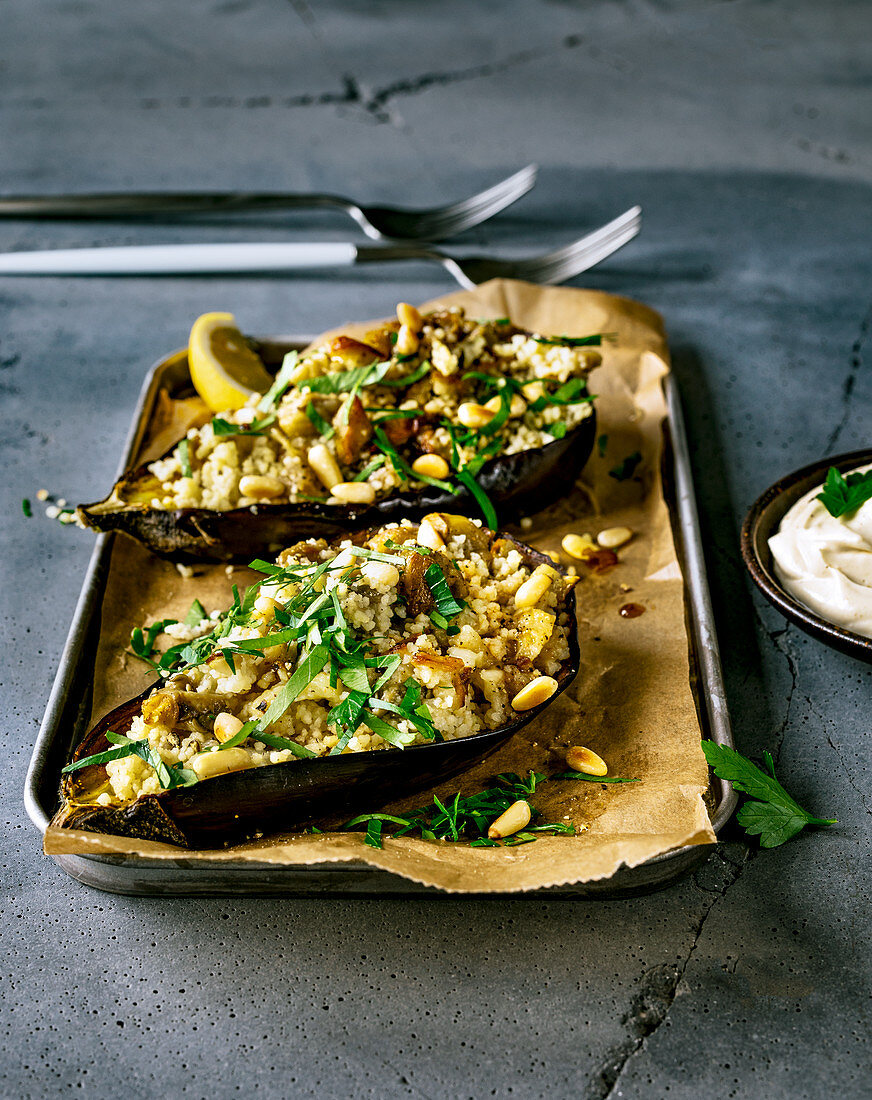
(826, 562)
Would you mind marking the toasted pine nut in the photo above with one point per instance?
(581, 759)
(535, 693)
(517, 406)
(578, 546)
(533, 390)
(354, 492)
(260, 486)
(430, 466)
(535, 586)
(613, 537)
(380, 574)
(209, 764)
(226, 726)
(471, 415)
(409, 316)
(428, 536)
(511, 821)
(407, 341)
(321, 460)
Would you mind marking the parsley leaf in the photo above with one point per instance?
(446, 604)
(184, 449)
(772, 813)
(224, 427)
(458, 819)
(625, 470)
(25, 507)
(281, 383)
(196, 615)
(348, 381)
(841, 495)
(572, 341)
(321, 426)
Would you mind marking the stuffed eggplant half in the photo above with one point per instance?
(351, 674)
(426, 413)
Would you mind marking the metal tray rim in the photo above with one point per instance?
(668, 864)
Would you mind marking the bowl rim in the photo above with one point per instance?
(761, 521)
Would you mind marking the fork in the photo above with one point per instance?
(185, 259)
(378, 222)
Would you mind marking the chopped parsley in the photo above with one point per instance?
(769, 811)
(185, 456)
(281, 383)
(223, 427)
(625, 470)
(601, 444)
(841, 495)
(465, 819)
(25, 507)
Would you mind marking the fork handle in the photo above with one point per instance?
(179, 259)
(133, 204)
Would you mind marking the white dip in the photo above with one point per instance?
(826, 563)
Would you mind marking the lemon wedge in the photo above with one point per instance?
(224, 369)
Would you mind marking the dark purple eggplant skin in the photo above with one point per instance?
(518, 485)
(234, 807)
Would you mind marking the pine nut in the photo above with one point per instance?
(578, 546)
(260, 486)
(407, 341)
(409, 316)
(380, 574)
(533, 390)
(428, 536)
(534, 587)
(581, 759)
(354, 492)
(430, 466)
(209, 764)
(324, 464)
(226, 726)
(517, 406)
(471, 415)
(511, 821)
(613, 537)
(535, 693)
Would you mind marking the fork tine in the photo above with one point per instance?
(585, 252)
(455, 217)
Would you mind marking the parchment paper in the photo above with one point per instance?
(631, 702)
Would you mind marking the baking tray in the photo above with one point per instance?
(68, 712)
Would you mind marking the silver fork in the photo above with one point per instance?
(378, 222)
(551, 267)
(190, 259)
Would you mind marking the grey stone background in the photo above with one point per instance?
(744, 131)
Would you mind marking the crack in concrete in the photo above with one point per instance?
(849, 775)
(850, 381)
(376, 103)
(373, 102)
(776, 637)
(660, 985)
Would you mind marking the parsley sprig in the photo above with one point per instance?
(841, 495)
(770, 812)
(466, 818)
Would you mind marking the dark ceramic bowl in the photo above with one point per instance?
(763, 521)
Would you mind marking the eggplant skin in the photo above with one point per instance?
(518, 484)
(246, 804)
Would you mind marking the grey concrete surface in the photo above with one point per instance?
(743, 130)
